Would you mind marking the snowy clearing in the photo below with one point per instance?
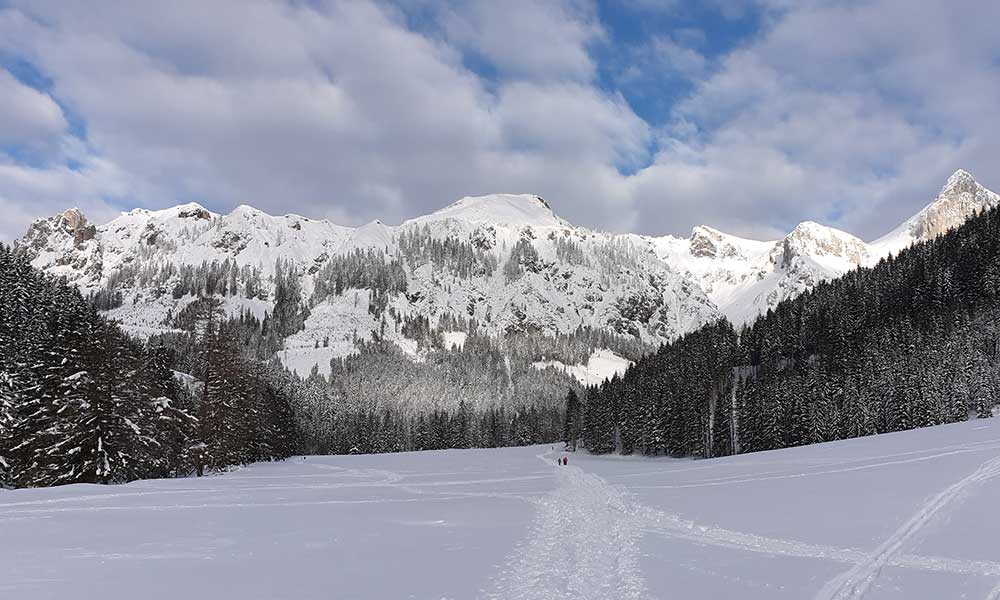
(601, 365)
(908, 515)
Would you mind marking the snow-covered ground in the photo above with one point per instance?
(601, 365)
(910, 515)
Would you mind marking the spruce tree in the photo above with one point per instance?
(572, 425)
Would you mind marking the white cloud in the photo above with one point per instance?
(30, 117)
(538, 39)
(573, 122)
(336, 110)
(845, 112)
(848, 113)
(27, 193)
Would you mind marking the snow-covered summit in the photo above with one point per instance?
(960, 198)
(810, 239)
(708, 242)
(961, 181)
(510, 210)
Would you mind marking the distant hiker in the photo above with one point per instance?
(565, 460)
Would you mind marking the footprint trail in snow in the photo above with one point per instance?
(583, 546)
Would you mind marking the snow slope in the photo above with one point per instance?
(899, 516)
(602, 364)
(507, 210)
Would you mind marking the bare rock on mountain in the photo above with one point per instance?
(960, 198)
(810, 239)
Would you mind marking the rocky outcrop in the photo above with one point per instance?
(72, 224)
(810, 239)
(960, 198)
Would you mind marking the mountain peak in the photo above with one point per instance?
(499, 209)
(70, 226)
(960, 181)
(961, 197)
(705, 241)
(705, 230)
(813, 239)
(246, 211)
(814, 230)
(73, 219)
(191, 210)
(189, 206)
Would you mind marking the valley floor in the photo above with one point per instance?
(910, 515)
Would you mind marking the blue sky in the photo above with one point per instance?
(630, 115)
(707, 29)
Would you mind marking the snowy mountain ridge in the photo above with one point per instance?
(745, 278)
(505, 262)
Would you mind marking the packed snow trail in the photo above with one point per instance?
(856, 581)
(583, 546)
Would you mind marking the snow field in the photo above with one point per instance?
(602, 364)
(908, 515)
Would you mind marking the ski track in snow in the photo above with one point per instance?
(856, 581)
(661, 523)
(876, 460)
(584, 545)
(734, 480)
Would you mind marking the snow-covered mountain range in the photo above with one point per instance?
(506, 263)
(744, 278)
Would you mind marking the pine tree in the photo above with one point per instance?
(8, 396)
(572, 421)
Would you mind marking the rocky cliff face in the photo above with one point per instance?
(67, 244)
(960, 198)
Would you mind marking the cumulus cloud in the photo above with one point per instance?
(27, 193)
(30, 116)
(336, 109)
(539, 39)
(847, 113)
(841, 112)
